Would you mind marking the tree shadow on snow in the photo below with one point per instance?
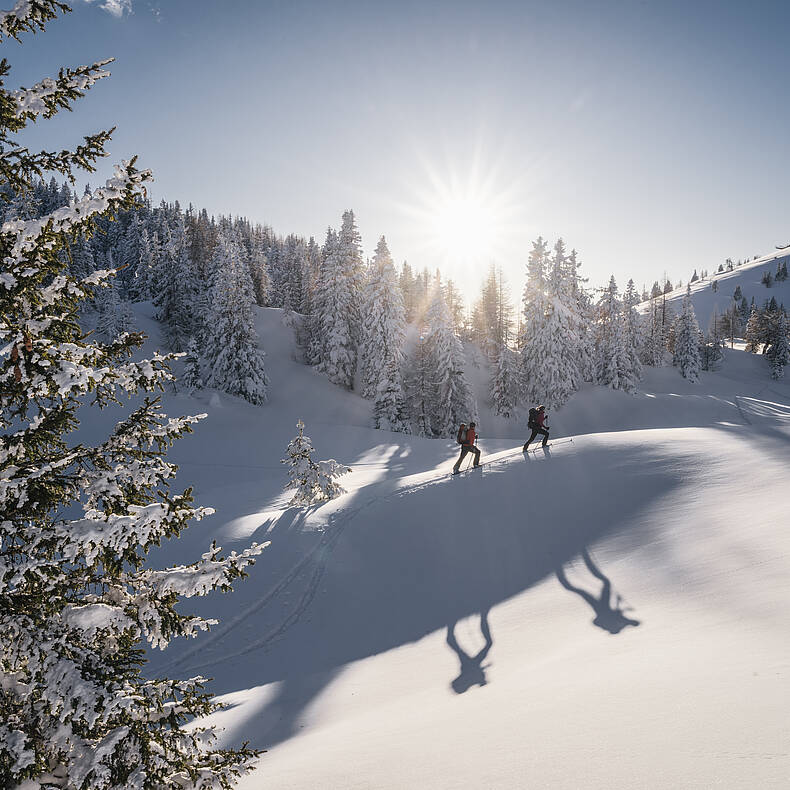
(610, 617)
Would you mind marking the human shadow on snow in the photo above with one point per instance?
(609, 616)
(472, 670)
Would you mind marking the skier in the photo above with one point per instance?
(466, 438)
(535, 422)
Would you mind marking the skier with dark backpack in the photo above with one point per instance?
(535, 423)
(466, 438)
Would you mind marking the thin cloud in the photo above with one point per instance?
(115, 7)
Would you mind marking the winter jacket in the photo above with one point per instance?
(470, 436)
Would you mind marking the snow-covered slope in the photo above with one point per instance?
(611, 613)
(748, 276)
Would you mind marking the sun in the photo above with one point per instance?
(464, 228)
(464, 215)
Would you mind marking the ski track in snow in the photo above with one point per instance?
(332, 532)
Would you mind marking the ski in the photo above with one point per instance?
(464, 471)
(499, 460)
(548, 445)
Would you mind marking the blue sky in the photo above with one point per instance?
(652, 136)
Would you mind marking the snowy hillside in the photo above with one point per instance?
(609, 613)
(609, 610)
(748, 276)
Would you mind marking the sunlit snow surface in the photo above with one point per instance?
(610, 614)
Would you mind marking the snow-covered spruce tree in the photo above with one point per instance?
(389, 405)
(556, 374)
(778, 352)
(686, 355)
(115, 316)
(770, 323)
(505, 383)
(259, 271)
(383, 334)
(486, 325)
(452, 401)
(744, 311)
(275, 264)
(312, 267)
(313, 481)
(533, 317)
(76, 519)
(310, 274)
(418, 385)
(201, 236)
(667, 324)
(632, 336)
(317, 323)
(554, 343)
(585, 314)
(129, 257)
(617, 363)
(140, 286)
(712, 346)
(608, 338)
(192, 378)
(295, 267)
(406, 283)
(235, 361)
(177, 287)
(340, 306)
(653, 348)
(108, 324)
(203, 323)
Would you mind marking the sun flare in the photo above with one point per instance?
(467, 215)
(464, 229)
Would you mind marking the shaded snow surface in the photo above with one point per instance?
(610, 614)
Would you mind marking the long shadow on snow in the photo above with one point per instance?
(472, 671)
(454, 550)
(609, 617)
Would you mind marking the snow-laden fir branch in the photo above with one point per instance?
(19, 165)
(29, 15)
(77, 594)
(127, 182)
(53, 93)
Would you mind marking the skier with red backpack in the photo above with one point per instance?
(466, 438)
(536, 424)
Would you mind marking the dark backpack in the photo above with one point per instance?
(461, 435)
(532, 422)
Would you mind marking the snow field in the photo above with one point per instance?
(335, 655)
